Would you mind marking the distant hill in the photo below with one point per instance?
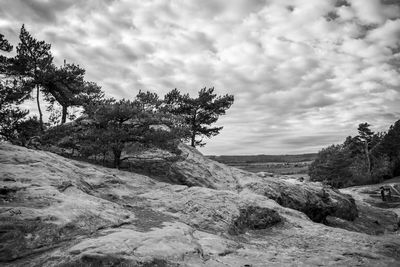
(264, 158)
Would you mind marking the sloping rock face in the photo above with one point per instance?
(189, 168)
(60, 212)
(193, 169)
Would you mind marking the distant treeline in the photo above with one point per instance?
(363, 159)
(264, 158)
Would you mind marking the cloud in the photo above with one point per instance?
(304, 73)
(35, 11)
(375, 11)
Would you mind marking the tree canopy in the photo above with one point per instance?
(115, 124)
(200, 112)
(66, 86)
(4, 44)
(32, 69)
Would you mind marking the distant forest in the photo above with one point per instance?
(264, 158)
(366, 158)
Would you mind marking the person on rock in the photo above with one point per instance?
(388, 194)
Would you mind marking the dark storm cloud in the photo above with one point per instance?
(47, 10)
(304, 72)
(37, 11)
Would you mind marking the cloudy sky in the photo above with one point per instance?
(304, 73)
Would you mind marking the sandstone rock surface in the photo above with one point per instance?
(193, 169)
(61, 212)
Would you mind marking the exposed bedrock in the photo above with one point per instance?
(56, 211)
(193, 169)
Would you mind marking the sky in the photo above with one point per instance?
(304, 73)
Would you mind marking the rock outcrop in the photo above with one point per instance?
(61, 212)
(191, 168)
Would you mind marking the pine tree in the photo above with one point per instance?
(11, 94)
(4, 44)
(33, 60)
(365, 135)
(200, 112)
(66, 86)
(117, 123)
(149, 101)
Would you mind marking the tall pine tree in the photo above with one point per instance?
(33, 60)
(11, 94)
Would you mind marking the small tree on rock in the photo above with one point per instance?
(66, 86)
(200, 112)
(117, 123)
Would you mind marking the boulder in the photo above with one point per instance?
(316, 201)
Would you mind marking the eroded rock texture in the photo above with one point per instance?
(60, 212)
(193, 169)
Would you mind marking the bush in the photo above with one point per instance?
(332, 166)
(21, 131)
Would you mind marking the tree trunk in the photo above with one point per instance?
(368, 159)
(117, 160)
(39, 109)
(193, 139)
(64, 114)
